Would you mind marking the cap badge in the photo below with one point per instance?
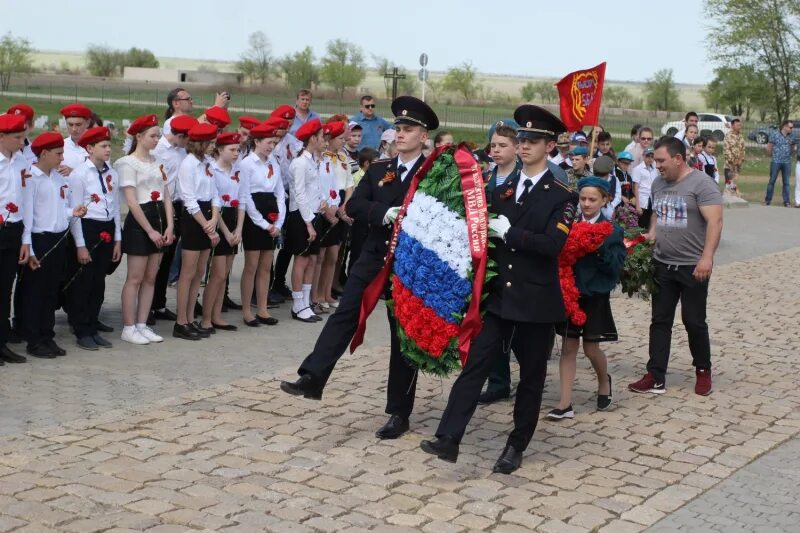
(528, 124)
(404, 112)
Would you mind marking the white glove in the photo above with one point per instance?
(391, 215)
(498, 227)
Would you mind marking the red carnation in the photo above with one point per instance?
(12, 207)
(105, 236)
(234, 203)
(155, 195)
(96, 198)
(333, 194)
(272, 217)
(226, 198)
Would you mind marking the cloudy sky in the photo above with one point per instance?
(530, 38)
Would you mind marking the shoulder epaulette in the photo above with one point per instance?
(563, 186)
(385, 160)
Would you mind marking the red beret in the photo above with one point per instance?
(284, 111)
(218, 116)
(49, 140)
(278, 123)
(143, 123)
(203, 132)
(334, 129)
(182, 124)
(22, 109)
(94, 135)
(263, 130)
(228, 138)
(12, 123)
(308, 129)
(76, 110)
(248, 122)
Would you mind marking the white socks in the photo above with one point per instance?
(300, 303)
(307, 294)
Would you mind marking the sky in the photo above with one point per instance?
(525, 38)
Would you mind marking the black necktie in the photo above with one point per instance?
(400, 171)
(102, 184)
(528, 184)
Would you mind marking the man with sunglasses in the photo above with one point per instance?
(372, 124)
(180, 102)
(646, 138)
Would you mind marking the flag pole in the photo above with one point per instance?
(592, 143)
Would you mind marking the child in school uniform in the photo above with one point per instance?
(46, 216)
(596, 275)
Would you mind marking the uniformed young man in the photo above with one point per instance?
(535, 212)
(376, 201)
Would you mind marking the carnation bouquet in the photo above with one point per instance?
(638, 275)
(437, 263)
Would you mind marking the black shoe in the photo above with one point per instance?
(283, 290)
(558, 414)
(41, 351)
(58, 350)
(510, 460)
(104, 328)
(87, 343)
(10, 356)
(393, 428)
(203, 332)
(185, 332)
(309, 320)
(101, 342)
(274, 297)
(270, 320)
(14, 337)
(164, 314)
(305, 386)
(230, 304)
(491, 396)
(226, 327)
(445, 448)
(151, 319)
(252, 323)
(603, 401)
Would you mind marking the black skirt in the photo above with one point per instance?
(229, 216)
(337, 234)
(192, 235)
(134, 239)
(599, 326)
(297, 234)
(253, 237)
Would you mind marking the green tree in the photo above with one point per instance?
(547, 92)
(343, 66)
(256, 62)
(15, 58)
(462, 80)
(143, 57)
(104, 61)
(661, 93)
(616, 96)
(300, 70)
(762, 35)
(738, 91)
(528, 92)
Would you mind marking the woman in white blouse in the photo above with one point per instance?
(264, 195)
(147, 229)
(226, 178)
(201, 205)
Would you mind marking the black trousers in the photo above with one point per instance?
(339, 330)
(676, 284)
(530, 343)
(10, 242)
(39, 288)
(358, 234)
(162, 277)
(500, 376)
(86, 290)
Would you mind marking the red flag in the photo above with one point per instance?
(580, 93)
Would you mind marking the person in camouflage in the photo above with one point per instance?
(733, 149)
(580, 165)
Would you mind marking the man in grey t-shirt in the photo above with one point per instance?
(686, 225)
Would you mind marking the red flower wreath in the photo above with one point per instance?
(584, 238)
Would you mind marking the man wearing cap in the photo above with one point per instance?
(625, 178)
(26, 111)
(535, 213)
(14, 170)
(604, 168)
(562, 158)
(78, 118)
(372, 124)
(376, 200)
(302, 110)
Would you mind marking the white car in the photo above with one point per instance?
(710, 125)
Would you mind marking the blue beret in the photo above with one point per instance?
(625, 155)
(579, 150)
(593, 181)
(510, 122)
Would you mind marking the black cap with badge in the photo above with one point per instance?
(410, 110)
(537, 123)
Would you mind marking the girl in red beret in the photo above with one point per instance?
(148, 227)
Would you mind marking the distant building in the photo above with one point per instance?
(171, 75)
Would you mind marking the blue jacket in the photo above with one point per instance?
(371, 130)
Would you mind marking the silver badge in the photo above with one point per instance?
(528, 124)
(404, 112)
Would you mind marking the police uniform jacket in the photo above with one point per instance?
(527, 287)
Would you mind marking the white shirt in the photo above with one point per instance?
(30, 157)
(85, 181)
(592, 220)
(169, 158)
(521, 184)
(557, 159)
(197, 184)
(644, 176)
(285, 152)
(304, 191)
(262, 176)
(11, 184)
(608, 209)
(409, 165)
(74, 155)
(709, 159)
(166, 129)
(47, 205)
(144, 176)
(328, 185)
(228, 184)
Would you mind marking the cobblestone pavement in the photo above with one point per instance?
(242, 456)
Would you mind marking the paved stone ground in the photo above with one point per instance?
(238, 455)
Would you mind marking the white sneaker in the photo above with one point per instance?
(149, 334)
(133, 336)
